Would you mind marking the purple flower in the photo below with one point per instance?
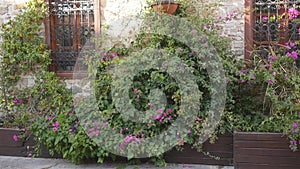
(150, 104)
(16, 100)
(161, 111)
(295, 124)
(265, 18)
(16, 138)
(243, 71)
(55, 129)
(21, 101)
(179, 49)
(49, 118)
(292, 44)
(293, 13)
(170, 111)
(293, 55)
(274, 73)
(273, 58)
(56, 124)
(104, 123)
(299, 30)
(189, 132)
(135, 90)
(194, 32)
(270, 81)
(286, 77)
(122, 146)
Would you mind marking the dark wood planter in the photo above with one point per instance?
(9, 147)
(222, 148)
(263, 151)
(20, 148)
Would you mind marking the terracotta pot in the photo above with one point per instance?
(165, 7)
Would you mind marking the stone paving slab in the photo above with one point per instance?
(7, 162)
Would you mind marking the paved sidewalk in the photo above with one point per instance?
(7, 162)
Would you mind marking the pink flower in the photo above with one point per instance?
(135, 90)
(265, 18)
(170, 111)
(122, 146)
(286, 77)
(270, 81)
(189, 132)
(16, 100)
(179, 49)
(243, 71)
(150, 104)
(194, 32)
(293, 55)
(55, 129)
(49, 118)
(56, 124)
(180, 142)
(293, 13)
(157, 117)
(16, 138)
(161, 111)
(295, 124)
(273, 58)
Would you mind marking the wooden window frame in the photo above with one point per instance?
(97, 27)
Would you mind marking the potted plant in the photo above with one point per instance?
(165, 6)
(266, 114)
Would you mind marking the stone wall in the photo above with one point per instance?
(9, 9)
(122, 17)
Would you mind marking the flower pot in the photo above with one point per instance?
(263, 151)
(168, 7)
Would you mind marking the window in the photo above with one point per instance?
(69, 27)
(266, 22)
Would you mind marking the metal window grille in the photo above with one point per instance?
(272, 23)
(71, 25)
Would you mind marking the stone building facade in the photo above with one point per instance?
(122, 18)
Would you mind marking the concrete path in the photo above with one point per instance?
(7, 162)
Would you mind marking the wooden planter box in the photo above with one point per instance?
(223, 148)
(263, 151)
(9, 147)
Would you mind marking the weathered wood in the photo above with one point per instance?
(9, 147)
(263, 150)
(222, 148)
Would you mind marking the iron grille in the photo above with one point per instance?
(272, 23)
(71, 29)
